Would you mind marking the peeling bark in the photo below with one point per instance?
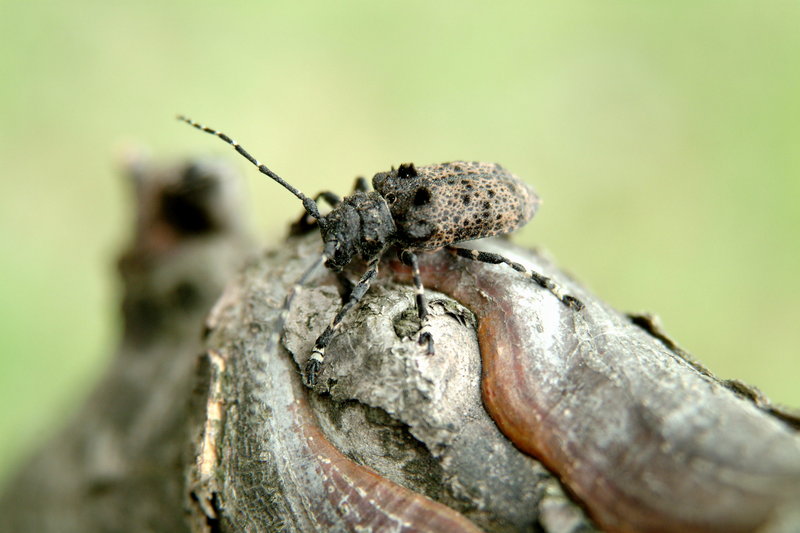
(523, 399)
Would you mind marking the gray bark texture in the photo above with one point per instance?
(529, 417)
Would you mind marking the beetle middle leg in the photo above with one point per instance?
(346, 286)
(317, 356)
(543, 281)
(425, 337)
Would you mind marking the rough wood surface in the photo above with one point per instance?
(644, 438)
(219, 434)
(395, 421)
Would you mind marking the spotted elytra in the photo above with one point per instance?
(414, 209)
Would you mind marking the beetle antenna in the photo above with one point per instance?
(309, 204)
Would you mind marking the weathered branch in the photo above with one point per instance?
(642, 438)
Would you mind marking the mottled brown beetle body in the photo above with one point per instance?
(439, 205)
(412, 209)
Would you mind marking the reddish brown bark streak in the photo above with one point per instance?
(613, 480)
(366, 500)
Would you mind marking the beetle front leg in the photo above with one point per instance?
(306, 222)
(317, 356)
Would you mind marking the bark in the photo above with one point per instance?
(530, 417)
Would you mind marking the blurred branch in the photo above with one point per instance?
(120, 463)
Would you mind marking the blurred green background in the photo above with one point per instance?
(663, 138)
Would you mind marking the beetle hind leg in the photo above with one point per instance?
(541, 280)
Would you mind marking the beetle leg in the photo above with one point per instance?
(317, 356)
(345, 286)
(298, 286)
(543, 281)
(306, 222)
(362, 185)
(425, 336)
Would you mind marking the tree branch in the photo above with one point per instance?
(643, 438)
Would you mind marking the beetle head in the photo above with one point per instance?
(361, 226)
(339, 230)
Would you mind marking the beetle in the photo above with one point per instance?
(415, 209)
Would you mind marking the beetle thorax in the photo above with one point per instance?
(361, 226)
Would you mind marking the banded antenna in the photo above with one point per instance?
(309, 204)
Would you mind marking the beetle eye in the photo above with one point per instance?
(391, 198)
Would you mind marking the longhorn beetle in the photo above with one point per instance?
(415, 210)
